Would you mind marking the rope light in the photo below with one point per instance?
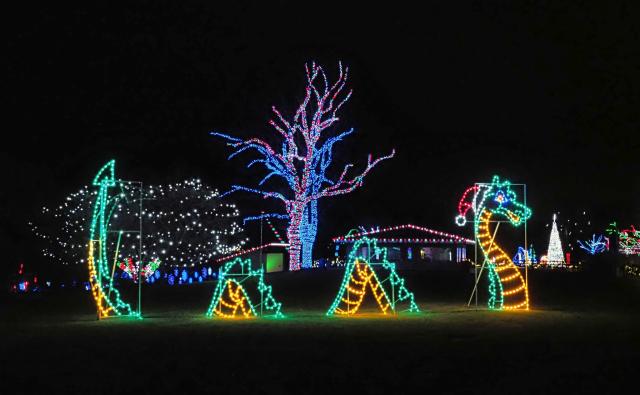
(507, 287)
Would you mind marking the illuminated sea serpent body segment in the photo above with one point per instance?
(507, 288)
(359, 276)
(233, 298)
(230, 298)
(510, 292)
(357, 286)
(107, 297)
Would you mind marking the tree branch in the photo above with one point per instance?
(267, 215)
(343, 186)
(271, 159)
(265, 194)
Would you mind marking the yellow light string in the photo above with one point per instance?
(96, 288)
(366, 276)
(238, 300)
(505, 268)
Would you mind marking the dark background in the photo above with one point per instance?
(542, 93)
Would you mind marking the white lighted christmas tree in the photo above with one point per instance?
(555, 256)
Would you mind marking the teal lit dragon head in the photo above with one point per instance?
(496, 197)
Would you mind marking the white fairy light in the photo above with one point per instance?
(167, 220)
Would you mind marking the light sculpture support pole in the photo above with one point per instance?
(526, 264)
(140, 257)
(115, 260)
(475, 245)
(475, 286)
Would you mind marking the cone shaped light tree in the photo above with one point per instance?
(305, 156)
(555, 256)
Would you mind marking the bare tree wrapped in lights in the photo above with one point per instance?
(183, 223)
(303, 161)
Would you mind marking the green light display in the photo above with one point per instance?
(488, 202)
(107, 297)
(360, 278)
(231, 299)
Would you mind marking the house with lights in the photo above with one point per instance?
(410, 246)
(274, 257)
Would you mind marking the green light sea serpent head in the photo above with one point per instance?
(496, 197)
(507, 288)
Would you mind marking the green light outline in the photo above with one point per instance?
(524, 212)
(268, 302)
(113, 298)
(394, 279)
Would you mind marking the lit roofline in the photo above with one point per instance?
(407, 226)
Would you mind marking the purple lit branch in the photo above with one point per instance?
(341, 186)
(304, 158)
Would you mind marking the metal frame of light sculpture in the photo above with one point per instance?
(107, 297)
(360, 272)
(230, 298)
(302, 163)
(487, 200)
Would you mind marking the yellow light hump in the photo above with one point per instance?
(515, 293)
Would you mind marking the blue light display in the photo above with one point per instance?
(594, 246)
(303, 161)
(519, 258)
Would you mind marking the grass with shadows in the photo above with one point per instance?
(582, 335)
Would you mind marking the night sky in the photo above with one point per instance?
(537, 92)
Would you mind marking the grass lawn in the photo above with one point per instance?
(583, 335)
